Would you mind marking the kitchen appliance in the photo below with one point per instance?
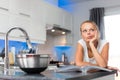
(33, 63)
(56, 30)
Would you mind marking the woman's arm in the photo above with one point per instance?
(79, 56)
(101, 58)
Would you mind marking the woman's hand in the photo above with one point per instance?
(94, 38)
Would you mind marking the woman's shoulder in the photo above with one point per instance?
(82, 42)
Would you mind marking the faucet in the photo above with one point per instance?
(6, 64)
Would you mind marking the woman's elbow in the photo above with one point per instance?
(103, 65)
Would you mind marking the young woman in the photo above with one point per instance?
(91, 50)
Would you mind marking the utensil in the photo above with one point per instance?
(33, 63)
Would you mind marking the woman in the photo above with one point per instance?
(91, 50)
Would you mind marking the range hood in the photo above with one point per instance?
(56, 30)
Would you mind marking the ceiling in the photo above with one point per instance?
(66, 2)
(76, 1)
(73, 1)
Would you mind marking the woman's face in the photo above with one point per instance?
(88, 31)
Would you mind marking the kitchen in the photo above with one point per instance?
(21, 15)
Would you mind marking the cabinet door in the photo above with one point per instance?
(67, 20)
(19, 21)
(4, 4)
(38, 17)
(4, 22)
(20, 7)
(4, 17)
(52, 16)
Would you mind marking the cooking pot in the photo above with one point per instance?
(33, 63)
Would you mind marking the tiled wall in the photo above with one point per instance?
(51, 43)
(17, 44)
(47, 48)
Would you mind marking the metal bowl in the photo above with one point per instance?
(33, 63)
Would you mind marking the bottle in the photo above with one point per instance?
(66, 60)
(63, 57)
(11, 58)
(13, 51)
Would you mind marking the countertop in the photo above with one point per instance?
(17, 74)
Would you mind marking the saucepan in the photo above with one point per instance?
(33, 63)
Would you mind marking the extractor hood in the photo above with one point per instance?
(56, 30)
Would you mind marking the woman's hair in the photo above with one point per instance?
(93, 23)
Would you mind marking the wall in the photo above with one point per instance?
(80, 13)
(47, 48)
(17, 44)
(51, 42)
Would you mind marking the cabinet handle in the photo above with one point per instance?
(23, 14)
(2, 33)
(2, 8)
(22, 36)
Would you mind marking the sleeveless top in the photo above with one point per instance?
(101, 44)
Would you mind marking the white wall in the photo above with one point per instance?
(80, 12)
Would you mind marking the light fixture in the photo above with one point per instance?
(52, 30)
(56, 30)
(63, 32)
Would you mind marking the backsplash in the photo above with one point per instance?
(50, 47)
(17, 44)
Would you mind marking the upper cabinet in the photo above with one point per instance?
(4, 22)
(4, 5)
(33, 16)
(56, 15)
(67, 20)
(22, 7)
(38, 16)
(52, 14)
(4, 16)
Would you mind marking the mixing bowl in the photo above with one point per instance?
(33, 63)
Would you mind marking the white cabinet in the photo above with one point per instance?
(52, 14)
(34, 29)
(4, 22)
(56, 15)
(20, 7)
(26, 14)
(4, 15)
(4, 4)
(38, 16)
(67, 20)
(20, 21)
(31, 15)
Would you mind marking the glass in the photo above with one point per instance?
(89, 30)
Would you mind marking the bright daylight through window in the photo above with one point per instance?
(112, 34)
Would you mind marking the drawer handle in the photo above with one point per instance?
(2, 8)
(23, 14)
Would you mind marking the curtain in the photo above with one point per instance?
(97, 15)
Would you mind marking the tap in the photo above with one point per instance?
(6, 64)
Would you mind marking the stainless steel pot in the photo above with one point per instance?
(33, 63)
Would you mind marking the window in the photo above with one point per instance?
(112, 34)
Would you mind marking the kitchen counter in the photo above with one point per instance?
(17, 74)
